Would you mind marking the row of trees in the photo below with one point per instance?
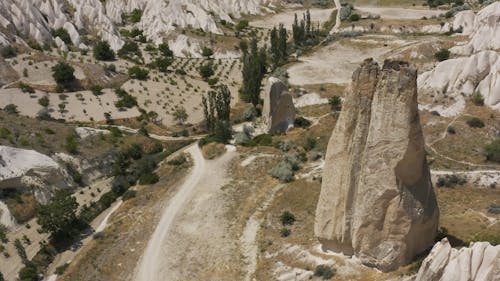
(304, 30)
(217, 111)
(254, 69)
(279, 53)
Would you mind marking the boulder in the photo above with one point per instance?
(278, 112)
(377, 201)
(478, 262)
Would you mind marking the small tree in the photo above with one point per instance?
(71, 144)
(63, 35)
(44, 101)
(165, 50)
(493, 151)
(58, 217)
(442, 55)
(63, 74)
(206, 70)
(180, 115)
(136, 72)
(102, 51)
(207, 52)
(335, 103)
(475, 122)
(11, 109)
(477, 99)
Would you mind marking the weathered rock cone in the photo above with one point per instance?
(377, 200)
(278, 111)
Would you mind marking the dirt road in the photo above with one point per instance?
(191, 216)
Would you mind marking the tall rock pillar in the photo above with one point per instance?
(377, 200)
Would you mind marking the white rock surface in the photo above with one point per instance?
(85, 132)
(15, 162)
(477, 73)
(377, 200)
(483, 29)
(478, 262)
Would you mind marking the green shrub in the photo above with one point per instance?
(60, 269)
(71, 144)
(242, 24)
(354, 17)
(63, 74)
(451, 130)
(335, 103)
(126, 100)
(148, 178)
(25, 88)
(44, 101)
(324, 271)
(135, 16)
(287, 218)
(96, 90)
(285, 232)
(63, 35)
(177, 161)
(442, 55)
(129, 50)
(477, 99)
(260, 140)
(102, 51)
(493, 151)
(475, 122)
(8, 51)
(129, 194)
(135, 72)
(494, 208)
(206, 70)
(301, 122)
(11, 109)
(450, 181)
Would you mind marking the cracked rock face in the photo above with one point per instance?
(377, 200)
(478, 262)
(278, 111)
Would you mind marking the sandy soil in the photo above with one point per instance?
(178, 245)
(287, 18)
(397, 13)
(334, 63)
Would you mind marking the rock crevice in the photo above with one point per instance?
(377, 200)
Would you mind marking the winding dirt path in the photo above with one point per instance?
(179, 242)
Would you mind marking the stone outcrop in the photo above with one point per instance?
(278, 112)
(377, 200)
(478, 262)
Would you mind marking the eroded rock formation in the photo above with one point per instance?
(278, 111)
(478, 262)
(377, 200)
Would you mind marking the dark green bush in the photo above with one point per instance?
(63, 74)
(260, 140)
(475, 122)
(324, 271)
(63, 35)
(148, 178)
(285, 232)
(493, 151)
(135, 72)
(129, 194)
(102, 51)
(8, 51)
(450, 181)
(301, 122)
(442, 55)
(287, 218)
(354, 17)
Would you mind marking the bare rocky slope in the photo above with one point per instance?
(35, 19)
(477, 68)
(478, 262)
(377, 200)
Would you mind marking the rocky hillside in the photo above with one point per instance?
(83, 19)
(476, 67)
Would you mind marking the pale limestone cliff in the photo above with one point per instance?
(377, 200)
(478, 262)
